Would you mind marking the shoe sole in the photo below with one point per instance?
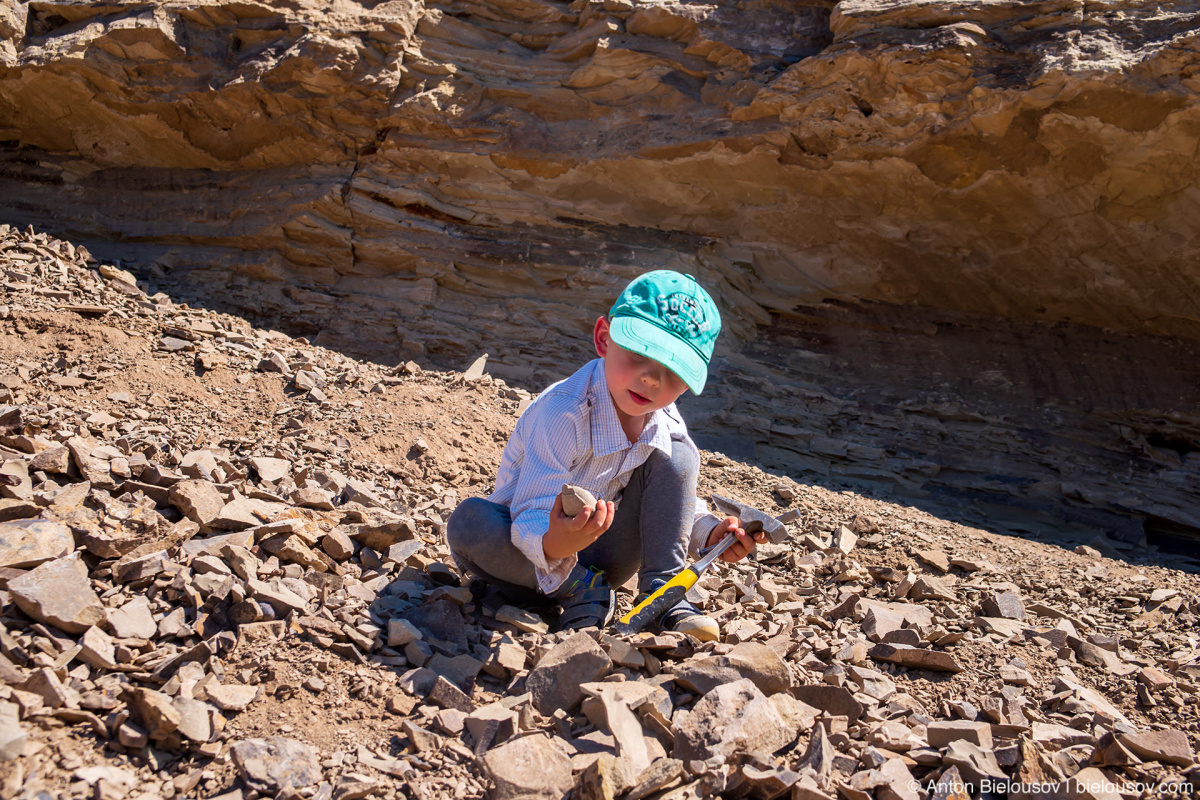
(700, 627)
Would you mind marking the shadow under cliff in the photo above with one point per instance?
(1058, 431)
(1050, 430)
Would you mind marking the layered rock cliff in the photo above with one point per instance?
(954, 242)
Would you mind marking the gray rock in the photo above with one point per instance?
(45, 683)
(521, 619)
(751, 660)
(138, 526)
(274, 362)
(819, 755)
(384, 530)
(18, 509)
(93, 470)
(440, 619)
(879, 622)
(475, 371)
(459, 670)
(447, 695)
(215, 545)
(529, 768)
(972, 761)
(59, 593)
(574, 498)
(275, 763)
(319, 499)
(401, 632)
(844, 540)
(26, 543)
(555, 681)
(1004, 604)
(733, 719)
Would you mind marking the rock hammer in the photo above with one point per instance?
(647, 612)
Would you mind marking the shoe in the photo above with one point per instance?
(587, 600)
(684, 617)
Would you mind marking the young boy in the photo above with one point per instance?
(613, 429)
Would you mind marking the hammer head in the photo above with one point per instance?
(752, 519)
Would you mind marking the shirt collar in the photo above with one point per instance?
(607, 434)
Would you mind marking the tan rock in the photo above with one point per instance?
(915, 657)
(732, 719)
(575, 498)
(26, 543)
(155, 711)
(530, 768)
(271, 470)
(198, 500)
(752, 660)
(59, 593)
(1169, 746)
(555, 681)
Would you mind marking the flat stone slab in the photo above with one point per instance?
(833, 700)
(733, 719)
(59, 593)
(752, 660)
(1167, 746)
(529, 768)
(915, 657)
(29, 542)
(555, 681)
(198, 500)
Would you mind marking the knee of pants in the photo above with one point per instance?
(465, 524)
(683, 463)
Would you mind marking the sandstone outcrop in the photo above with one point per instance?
(382, 177)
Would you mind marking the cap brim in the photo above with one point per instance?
(649, 340)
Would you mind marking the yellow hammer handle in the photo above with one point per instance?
(686, 579)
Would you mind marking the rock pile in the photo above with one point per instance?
(186, 611)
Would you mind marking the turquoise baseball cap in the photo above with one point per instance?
(667, 316)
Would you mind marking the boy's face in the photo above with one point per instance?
(638, 385)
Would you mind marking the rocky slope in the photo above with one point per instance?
(223, 575)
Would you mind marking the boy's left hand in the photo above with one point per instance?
(744, 544)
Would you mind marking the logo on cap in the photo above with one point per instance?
(683, 313)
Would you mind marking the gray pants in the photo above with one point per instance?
(650, 530)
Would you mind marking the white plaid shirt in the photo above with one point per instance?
(571, 434)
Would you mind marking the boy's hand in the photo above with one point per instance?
(744, 544)
(569, 535)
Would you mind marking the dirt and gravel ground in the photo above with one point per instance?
(127, 381)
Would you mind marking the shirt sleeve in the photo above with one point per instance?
(702, 526)
(550, 452)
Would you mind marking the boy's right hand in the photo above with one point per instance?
(568, 535)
